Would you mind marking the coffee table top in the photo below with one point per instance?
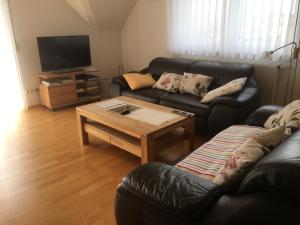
(136, 128)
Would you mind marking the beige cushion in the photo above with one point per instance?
(239, 163)
(169, 81)
(289, 116)
(242, 160)
(138, 81)
(195, 84)
(227, 89)
(270, 138)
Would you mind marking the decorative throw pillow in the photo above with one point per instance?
(227, 89)
(195, 84)
(169, 82)
(288, 117)
(242, 159)
(138, 81)
(240, 162)
(270, 138)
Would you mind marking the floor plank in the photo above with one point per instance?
(47, 177)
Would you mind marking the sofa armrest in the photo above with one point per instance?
(116, 86)
(233, 109)
(120, 80)
(248, 94)
(170, 190)
(260, 116)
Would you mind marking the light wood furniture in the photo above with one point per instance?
(73, 88)
(139, 138)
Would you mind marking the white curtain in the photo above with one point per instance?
(234, 29)
(11, 94)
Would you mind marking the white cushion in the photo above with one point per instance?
(288, 117)
(169, 81)
(195, 84)
(227, 89)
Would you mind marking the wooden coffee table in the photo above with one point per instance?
(139, 138)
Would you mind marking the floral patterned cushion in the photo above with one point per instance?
(289, 117)
(241, 160)
(227, 89)
(195, 84)
(169, 82)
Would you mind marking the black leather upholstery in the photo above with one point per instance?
(186, 102)
(238, 106)
(222, 72)
(260, 116)
(159, 194)
(147, 94)
(257, 208)
(163, 186)
(277, 173)
(171, 65)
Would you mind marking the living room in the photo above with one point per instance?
(150, 112)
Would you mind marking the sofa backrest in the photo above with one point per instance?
(278, 172)
(221, 72)
(171, 65)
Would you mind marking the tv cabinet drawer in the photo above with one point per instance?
(60, 91)
(63, 100)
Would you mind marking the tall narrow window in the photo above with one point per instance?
(11, 98)
(237, 29)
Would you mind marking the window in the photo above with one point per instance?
(237, 29)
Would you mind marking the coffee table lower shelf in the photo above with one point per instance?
(114, 137)
(132, 144)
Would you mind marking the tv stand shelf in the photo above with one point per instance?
(58, 90)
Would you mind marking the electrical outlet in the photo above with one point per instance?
(31, 91)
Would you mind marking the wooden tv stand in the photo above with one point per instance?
(65, 89)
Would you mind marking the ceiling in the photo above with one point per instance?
(103, 14)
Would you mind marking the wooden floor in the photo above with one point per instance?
(46, 177)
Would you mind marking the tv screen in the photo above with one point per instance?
(64, 52)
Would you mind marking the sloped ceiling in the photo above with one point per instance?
(103, 14)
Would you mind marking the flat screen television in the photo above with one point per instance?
(63, 53)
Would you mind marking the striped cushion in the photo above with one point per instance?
(207, 160)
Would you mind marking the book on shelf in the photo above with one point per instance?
(80, 90)
(64, 80)
(91, 88)
(57, 82)
(80, 81)
(51, 83)
(93, 78)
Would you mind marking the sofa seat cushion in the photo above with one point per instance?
(207, 160)
(186, 102)
(147, 94)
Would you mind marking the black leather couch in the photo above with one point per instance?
(210, 118)
(158, 194)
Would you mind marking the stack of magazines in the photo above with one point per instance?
(57, 82)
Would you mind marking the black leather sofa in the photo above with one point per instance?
(210, 118)
(158, 194)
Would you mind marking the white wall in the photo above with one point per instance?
(33, 18)
(144, 34)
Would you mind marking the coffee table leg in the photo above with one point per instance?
(147, 149)
(189, 130)
(83, 136)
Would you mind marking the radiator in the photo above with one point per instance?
(267, 77)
